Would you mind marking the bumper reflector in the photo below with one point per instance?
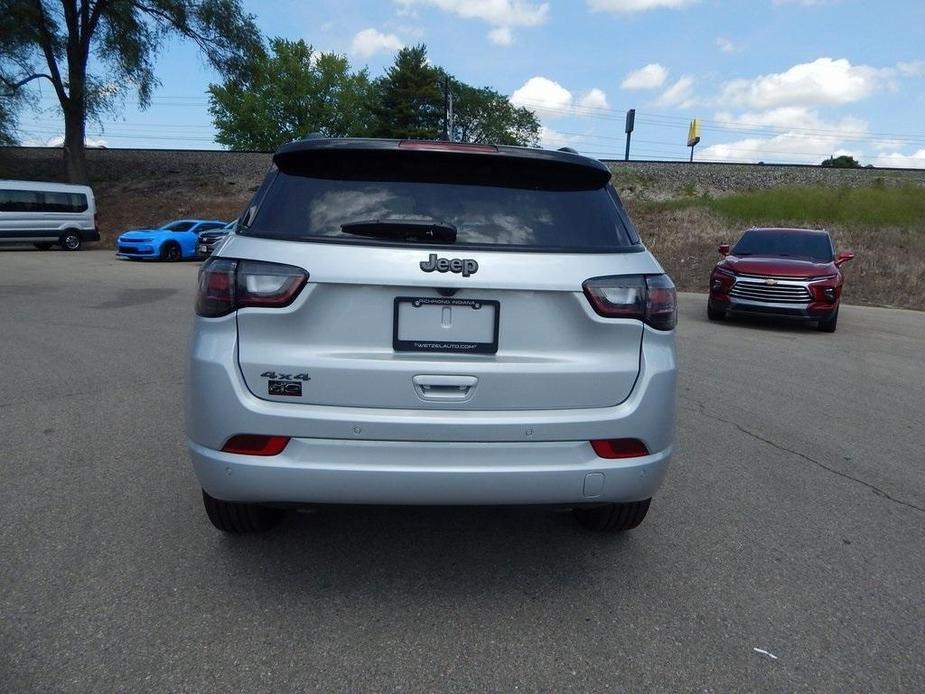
(255, 444)
(619, 448)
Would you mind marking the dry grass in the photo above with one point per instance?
(126, 206)
(888, 270)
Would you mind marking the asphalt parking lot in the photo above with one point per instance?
(793, 521)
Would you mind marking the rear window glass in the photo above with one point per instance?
(306, 208)
(785, 244)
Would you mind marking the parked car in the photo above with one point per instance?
(171, 241)
(431, 323)
(779, 272)
(47, 214)
(208, 240)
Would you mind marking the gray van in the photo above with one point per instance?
(47, 214)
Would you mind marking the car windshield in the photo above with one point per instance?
(785, 244)
(178, 226)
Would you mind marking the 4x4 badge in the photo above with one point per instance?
(466, 266)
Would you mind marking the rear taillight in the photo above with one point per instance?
(613, 449)
(255, 444)
(226, 285)
(649, 298)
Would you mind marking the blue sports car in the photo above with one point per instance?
(172, 241)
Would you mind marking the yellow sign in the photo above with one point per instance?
(693, 133)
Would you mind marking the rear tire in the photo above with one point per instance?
(715, 313)
(70, 240)
(171, 252)
(238, 519)
(612, 517)
(829, 324)
(43, 246)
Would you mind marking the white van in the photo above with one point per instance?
(46, 214)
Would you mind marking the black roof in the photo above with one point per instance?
(301, 150)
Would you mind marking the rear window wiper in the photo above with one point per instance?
(396, 230)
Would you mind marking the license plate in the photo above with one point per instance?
(203, 249)
(430, 324)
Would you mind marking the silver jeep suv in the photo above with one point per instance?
(407, 322)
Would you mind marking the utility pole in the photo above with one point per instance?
(452, 121)
(630, 124)
(446, 108)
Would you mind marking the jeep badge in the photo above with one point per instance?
(466, 266)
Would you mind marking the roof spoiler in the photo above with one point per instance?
(443, 162)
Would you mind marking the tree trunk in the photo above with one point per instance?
(75, 159)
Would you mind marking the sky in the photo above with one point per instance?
(792, 81)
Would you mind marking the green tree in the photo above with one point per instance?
(410, 98)
(7, 123)
(54, 39)
(845, 161)
(290, 92)
(484, 115)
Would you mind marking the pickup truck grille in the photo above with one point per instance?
(778, 293)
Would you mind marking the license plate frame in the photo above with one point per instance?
(454, 347)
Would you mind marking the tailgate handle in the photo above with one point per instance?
(444, 388)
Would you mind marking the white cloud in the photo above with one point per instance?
(543, 96)
(371, 41)
(725, 45)
(651, 76)
(902, 161)
(58, 141)
(495, 12)
(595, 98)
(912, 68)
(501, 15)
(678, 94)
(501, 36)
(823, 81)
(552, 139)
(881, 145)
(628, 6)
(802, 137)
(550, 100)
(406, 30)
(793, 117)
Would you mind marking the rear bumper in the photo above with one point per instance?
(414, 473)
(423, 456)
(89, 234)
